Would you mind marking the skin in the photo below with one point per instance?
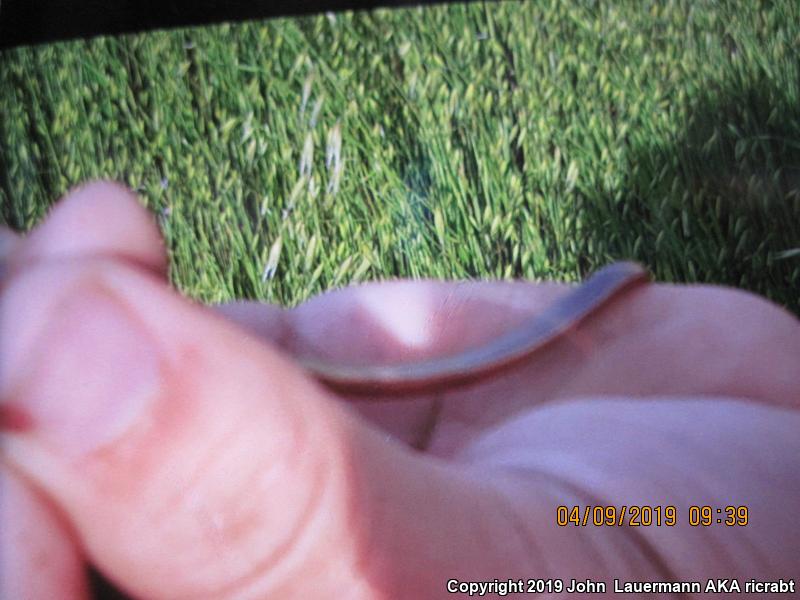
(183, 452)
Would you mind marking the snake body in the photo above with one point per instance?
(472, 365)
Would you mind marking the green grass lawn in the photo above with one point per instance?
(536, 140)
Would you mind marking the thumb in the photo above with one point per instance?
(192, 460)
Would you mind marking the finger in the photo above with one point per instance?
(192, 460)
(101, 218)
(663, 451)
(38, 557)
(399, 321)
(394, 322)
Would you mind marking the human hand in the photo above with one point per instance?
(186, 455)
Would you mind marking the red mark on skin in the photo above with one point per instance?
(15, 419)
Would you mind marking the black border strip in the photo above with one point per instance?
(28, 22)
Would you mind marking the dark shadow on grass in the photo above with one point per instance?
(721, 202)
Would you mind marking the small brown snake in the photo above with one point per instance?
(472, 365)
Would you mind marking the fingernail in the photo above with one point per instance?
(83, 375)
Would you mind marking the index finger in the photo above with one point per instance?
(402, 321)
(396, 321)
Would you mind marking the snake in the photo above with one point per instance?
(500, 354)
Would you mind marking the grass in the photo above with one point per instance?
(536, 140)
